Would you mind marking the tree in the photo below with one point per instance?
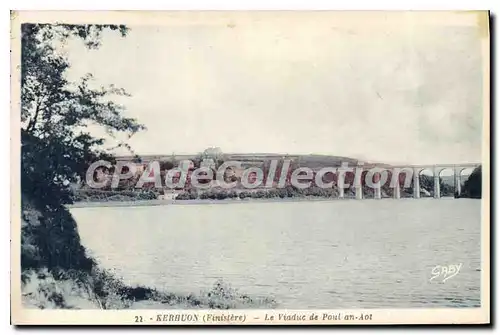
(55, 113)
(56, 149)
(214, 153)
(166, 165)
(427, 184)
(472, 186)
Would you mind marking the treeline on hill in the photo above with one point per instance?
(127, 190)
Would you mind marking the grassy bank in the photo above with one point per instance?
(99, 289)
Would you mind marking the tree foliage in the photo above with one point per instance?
(473, 187)
(57, 146)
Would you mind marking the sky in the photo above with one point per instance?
(398, 91)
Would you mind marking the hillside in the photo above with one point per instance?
(313, 161)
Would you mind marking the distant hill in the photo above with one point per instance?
(307, 160)
(313, 161)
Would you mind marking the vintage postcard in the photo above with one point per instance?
(250, 167)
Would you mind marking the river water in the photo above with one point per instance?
(303, 254)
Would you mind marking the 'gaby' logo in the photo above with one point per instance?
(445, 271)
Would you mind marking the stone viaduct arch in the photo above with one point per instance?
(412, 173)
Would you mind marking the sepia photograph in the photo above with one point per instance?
(250, 167)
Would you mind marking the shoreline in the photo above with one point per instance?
(142, 203)
(145, 203)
